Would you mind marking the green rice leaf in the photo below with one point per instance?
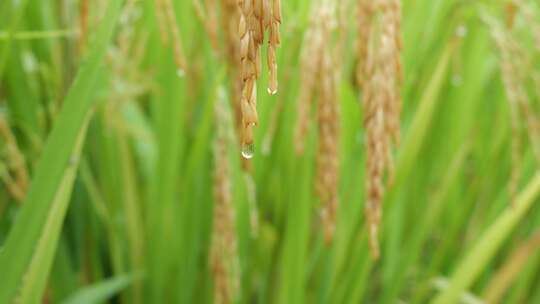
(42, 214)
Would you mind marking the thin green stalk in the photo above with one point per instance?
(483, 251)
(19, 248)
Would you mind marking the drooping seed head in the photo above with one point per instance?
(319, 83)
(379, 75)
(256, 18)
(223, 253)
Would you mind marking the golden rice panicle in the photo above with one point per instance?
(208, 15)
(328, 156)
(328, 117)
(256, 16)
(84, 14)
(17, 185)
(374, 125)
(172, 24)
(380, 79)
(309, 65)
(510, 13)
(394, 73)
(230, 16)
(249, 50)
(396, 29)
(223, 253)
(273, 43)
(316, 41)
(365, 18)
(159, 7)
(319, 81)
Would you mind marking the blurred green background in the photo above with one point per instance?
(118, 149)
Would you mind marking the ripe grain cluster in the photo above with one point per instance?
(379, 77)
(319, 84)
(256, 18)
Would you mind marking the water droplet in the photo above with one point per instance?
(461, 31)
(30, 63)
(248, 150)
(457, 80)
(180, 72)
(272, 91)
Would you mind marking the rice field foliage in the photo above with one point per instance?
(294, 151)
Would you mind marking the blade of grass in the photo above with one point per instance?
(415, 138)
(424, 114)
(102, 291)
(191, 208)
(20, 246)
(30, 35)
(515, 263)
(35, 279)
(132, 213)
(163, 204)
(296, 240)
(456, 147)
(480, 255)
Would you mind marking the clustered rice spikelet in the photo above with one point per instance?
(159, 7)
(167, 21)
(256, 17)
(319, 79)
(17, 184)
(309, 65)
(230, 53)
(365, 19)
(316, 45)
(223, 253)
(207, 14)
(510, 11)
(327, 156)
(501, 281)
(230, 15)
(533, 21)
(380, 77)
(84, 9)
